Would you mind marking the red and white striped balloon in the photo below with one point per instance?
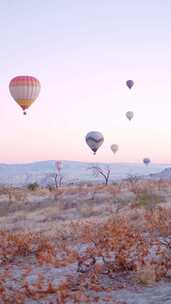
(24, 90)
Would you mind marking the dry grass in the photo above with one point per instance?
(83, 231)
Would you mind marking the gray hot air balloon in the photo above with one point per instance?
(146, 161)
(94, 140)
(129, 115)
(114, 148)
(129, 83)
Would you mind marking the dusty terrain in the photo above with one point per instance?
(86, 244)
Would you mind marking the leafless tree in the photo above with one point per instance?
(105, 172)
(58, 180)
(133, 181)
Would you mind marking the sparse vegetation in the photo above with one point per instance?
(133, 183)
(71, 249)
(147, 199)
(33, 186)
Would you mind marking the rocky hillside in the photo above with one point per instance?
(73, 172)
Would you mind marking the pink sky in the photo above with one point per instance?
(83, 54)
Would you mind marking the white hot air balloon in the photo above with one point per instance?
(114, 148)
(129, 115)
(59, 165)
(94, 140)
(58, 176)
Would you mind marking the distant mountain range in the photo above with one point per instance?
(43, 172)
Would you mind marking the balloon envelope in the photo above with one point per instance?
(129, 115)
(24, 90)
(94, 140)
(129, 83)
(59, 165)
(146, 161)
(114, 148)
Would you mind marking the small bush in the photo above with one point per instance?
(147, 199)
(87, 211)
(158, 221)
(146, 274)
(51, 188)
(33, 186)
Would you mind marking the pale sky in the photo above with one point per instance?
(83, 52)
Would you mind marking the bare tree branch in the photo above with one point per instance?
(103, 172)
(58, 180)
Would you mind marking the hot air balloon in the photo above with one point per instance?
(114, 148)
(59, 165)
(94, 140)
(129, 83)
(146, 161)
(129, 115)
(24, 90)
